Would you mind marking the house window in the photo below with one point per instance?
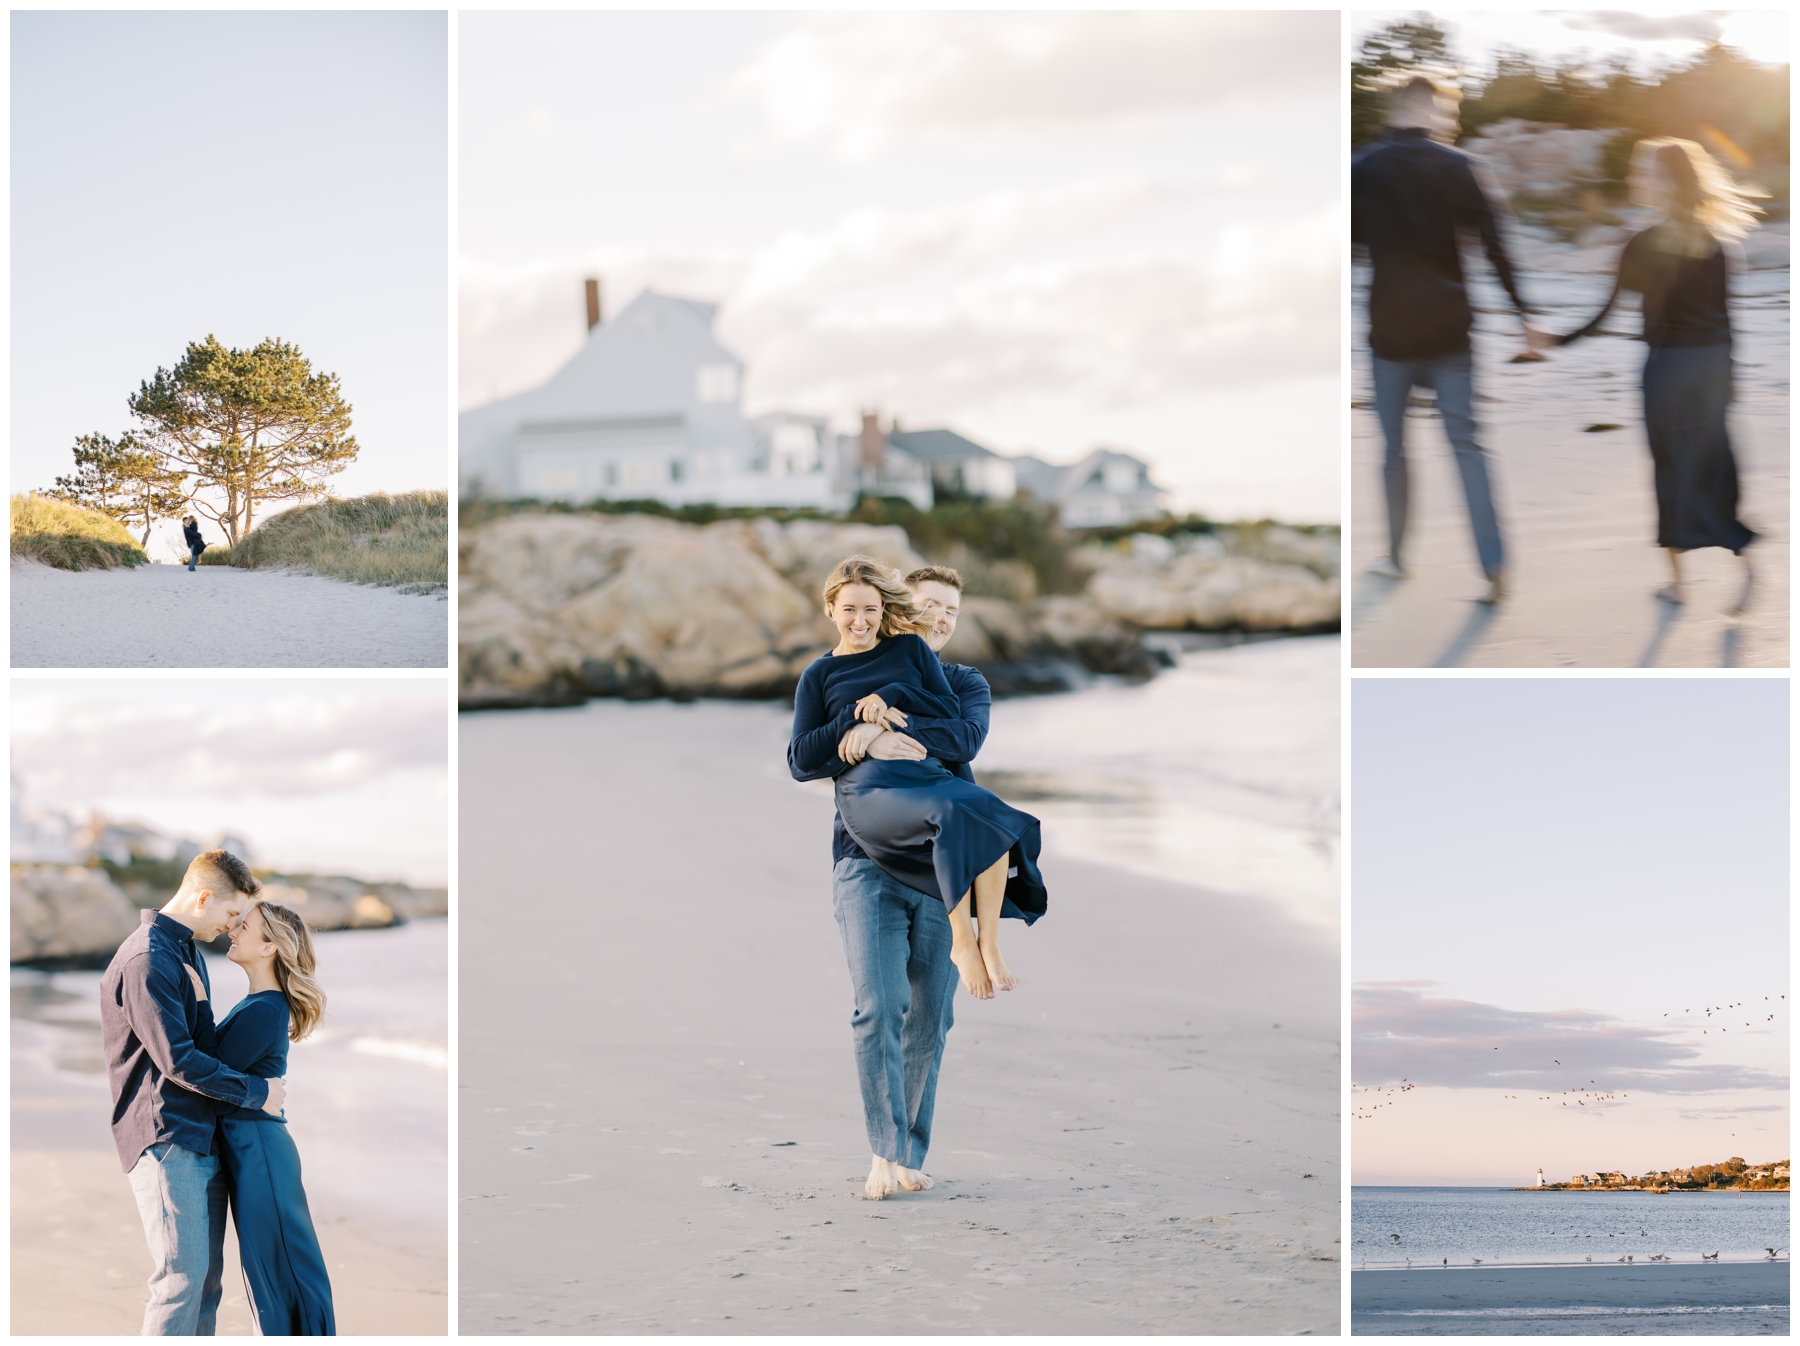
(1121, 478)
(716, 383)
(612, 474)
(675, 469)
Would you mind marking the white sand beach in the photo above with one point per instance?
(661, 1131)
(163, 616)
(367, 1107)
(1683, 1299)
(1576, 506)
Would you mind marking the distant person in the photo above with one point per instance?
(190, 529)
(165, 1085)
(915, 842)
(1681, 266)
(284, 1270)
(1412, 200)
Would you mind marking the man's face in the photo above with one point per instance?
(220, 914)
(944, 602)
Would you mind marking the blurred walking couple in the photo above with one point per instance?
(1414, 199)
(197, 1104)
(926, 863)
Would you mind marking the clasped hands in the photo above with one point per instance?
(878, 735)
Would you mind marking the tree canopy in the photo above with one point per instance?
(124, 479)
(246, 426)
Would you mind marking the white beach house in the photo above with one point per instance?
(649, 409)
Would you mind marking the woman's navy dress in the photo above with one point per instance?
(284, 1271)
(930, 829)
(1687, 387)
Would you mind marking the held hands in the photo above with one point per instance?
(277, 1097)
(854, 745)
(873, 710)
(897, 747)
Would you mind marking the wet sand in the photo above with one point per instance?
(661, 1131)
(163, 616)
(1682, 1299)
(1577, 508)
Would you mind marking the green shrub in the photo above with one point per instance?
(399, 541)
(216, 556)
(69, 537)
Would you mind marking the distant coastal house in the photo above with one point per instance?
(1106, 489)
(957, 463)
(649, 409)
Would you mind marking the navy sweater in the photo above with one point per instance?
(254, 1039)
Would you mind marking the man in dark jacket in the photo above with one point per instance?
(1412, 200)
(154, 1001)
(195, 543)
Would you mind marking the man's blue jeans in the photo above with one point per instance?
(181, 1198)
(898, 943)
(1451, 377)
(194, 556)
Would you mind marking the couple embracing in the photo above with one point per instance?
(197, 1105)
(922, 856)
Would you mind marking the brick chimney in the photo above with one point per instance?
(593, 302)
(873, 443)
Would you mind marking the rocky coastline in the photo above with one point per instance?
(555, 608)
(68, 917)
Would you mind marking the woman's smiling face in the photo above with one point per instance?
(856, 612)
(249, 943)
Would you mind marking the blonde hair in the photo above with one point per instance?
(1703, 203)
(294, 966)
(220, 872)
(900, 614)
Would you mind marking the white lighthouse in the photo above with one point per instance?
(1540, 1179)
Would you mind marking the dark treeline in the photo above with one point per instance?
(1734, 106)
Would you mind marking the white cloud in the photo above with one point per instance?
(866, 83)
(1698, 27)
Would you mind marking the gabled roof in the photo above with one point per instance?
(939, 446)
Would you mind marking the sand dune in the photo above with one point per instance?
(162, 616)
(661, 1130)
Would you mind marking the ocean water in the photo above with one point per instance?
(367, 1093)
(1221, 772)
(1543, 1228)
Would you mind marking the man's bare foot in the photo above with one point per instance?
(967, 958)
(1497, 589)
(884, 1178)
(913, 1180)
(997, 971)
(1671, 593)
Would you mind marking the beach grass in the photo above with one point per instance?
(396, 541)
(69, 537)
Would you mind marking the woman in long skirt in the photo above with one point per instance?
(1680, 265)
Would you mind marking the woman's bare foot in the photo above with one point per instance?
(884, 1178)
(1671, 593)
(997, 971)
(1742, 605)
(967, 958)
(913, 1180)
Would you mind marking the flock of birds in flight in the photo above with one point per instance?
(1386, 1096)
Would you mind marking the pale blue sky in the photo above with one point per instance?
(1046, 230)
(243, 174)
(330, 775)
(1574, 871)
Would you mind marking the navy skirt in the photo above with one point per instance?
(1686, 391)
(284, 1271)
(935, 832)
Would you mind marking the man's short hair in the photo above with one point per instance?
(217, 870)
(935, 575)
(1421, 90)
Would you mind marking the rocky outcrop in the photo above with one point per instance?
(334, 903)
(68, 916)
(556, 608)
(1541, 158)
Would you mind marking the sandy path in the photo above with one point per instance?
(1577, 507)
(161, 616)
(661, 1131)
(1683, 1299)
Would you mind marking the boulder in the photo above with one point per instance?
(71, 917)
(1202, 593)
